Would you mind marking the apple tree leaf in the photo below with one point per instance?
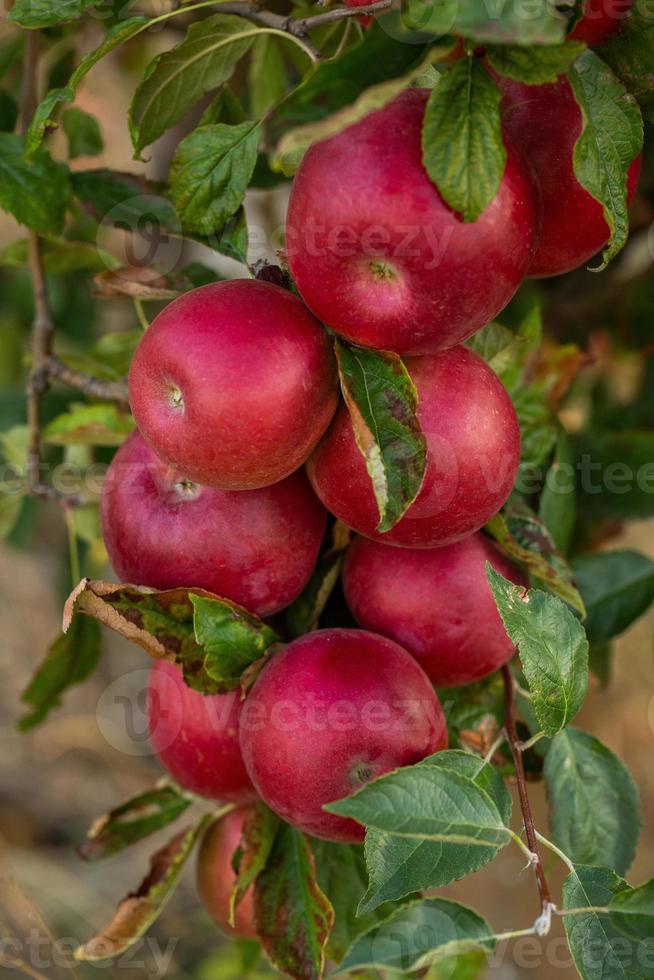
(552, 646)
(595, 812)
(398, 866)
(293, 916)
(505, 24)
(617, 588)
(133, 820)
(136, 913)
(418, 936)
(462, 147)
(383, 403)
(534, 66)
(611, 138)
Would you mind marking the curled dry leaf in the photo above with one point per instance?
(138, 910)
(136, 281)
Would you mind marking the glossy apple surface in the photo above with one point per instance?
(216, 876)
(234, 383)
(332, 711)
(473, 451)
(255, 547)
(436, 603)
(546, 122)
(378, 255)
(195, 736)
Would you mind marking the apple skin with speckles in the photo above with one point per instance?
(473, 452)
(436, 603)
(216, 877)
(234, 383)
(379, 256)
(195, 736)
(333, 710)
(255, 547)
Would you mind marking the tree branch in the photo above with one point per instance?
(546, 902)
(112, 391)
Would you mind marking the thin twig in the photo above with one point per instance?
(546, 901)
(303, 25)
(111, 391)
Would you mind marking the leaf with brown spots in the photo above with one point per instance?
(383, 403)
(213, 653)
(293, 917)
(257, 838)
(522, 536)
(133, 820)
(136, 913)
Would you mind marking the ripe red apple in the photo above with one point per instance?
(255, 547)
(378, 255)
(473, 451)
(234, 383)
(332, 711)
(216, 877)
(545, 121)
(436, 603)
(601, 20)
(195, 736)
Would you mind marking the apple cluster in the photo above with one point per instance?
(243, 450)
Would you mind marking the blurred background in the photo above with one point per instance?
(93, 753)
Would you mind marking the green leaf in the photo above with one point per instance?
(334, 83)
(136, 913)
(341, 870)
(502, 349)
(483, 23)
(398, 867)
(462, 147)
(178, 78)
(35, 192)
(47, 13)
(293, 917)
(232, 638)
(44, 118)
(595, 814)
(418, 936)
(83, 133)
(602, 943)
(428, 802)
(553, 650)
(133, 820)
(99, 424)
(266, 75)
(383, 405)
(8, 112)
(617, 587)
(210, 173)
(11, 505)
(523, 537)
(631, 55)
(557, 507)
(72, 658)
(611, 138)
(534, 66)
(258, 834)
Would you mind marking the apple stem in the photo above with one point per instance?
(515, 744)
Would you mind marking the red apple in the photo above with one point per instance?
(379, 256)
(473, 451)
(234, 383)
(216, 877)
(601, 20)
(255, 547)
(436, 603)
(195, 736)
(332, 711)
(545, 121)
